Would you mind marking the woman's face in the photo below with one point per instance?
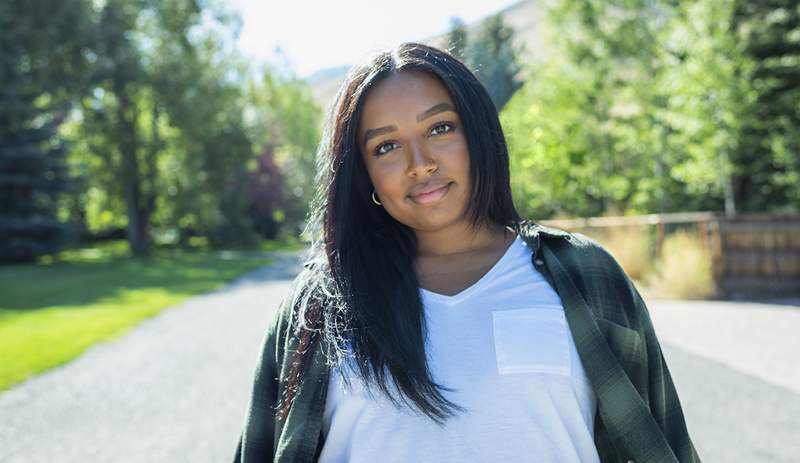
(415, 151)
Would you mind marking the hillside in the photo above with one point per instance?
(524, 16)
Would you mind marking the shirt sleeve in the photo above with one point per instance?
(256, 443)
(663, 398)
(654, 381)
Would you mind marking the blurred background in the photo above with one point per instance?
(152, 152)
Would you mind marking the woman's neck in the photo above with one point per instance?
(460, 238)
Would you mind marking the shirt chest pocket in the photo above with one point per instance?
(531, 340)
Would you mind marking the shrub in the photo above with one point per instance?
(683, 270)
(630, 246)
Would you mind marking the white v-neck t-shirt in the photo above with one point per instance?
(505, 350)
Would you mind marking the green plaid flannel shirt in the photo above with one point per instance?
(639, 417)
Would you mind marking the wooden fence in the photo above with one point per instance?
(751, 254)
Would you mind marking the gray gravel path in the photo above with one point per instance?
(762, 340)
(734, 417)
(173, 389)
(736, 368)
(176, 387)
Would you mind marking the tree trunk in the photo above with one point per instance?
(138, 219)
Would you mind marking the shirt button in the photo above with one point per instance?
(539, 262)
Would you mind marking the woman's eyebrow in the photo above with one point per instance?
(379, 131)
(435, 109)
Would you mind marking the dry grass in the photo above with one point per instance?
(684, 269)
(630, 246)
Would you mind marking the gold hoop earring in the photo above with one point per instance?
(375, 198)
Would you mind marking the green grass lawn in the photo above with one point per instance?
(52, 311)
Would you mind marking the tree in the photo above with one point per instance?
(162, 132)
(456, 40)
(33, 176)
(709, 97)
(588, 128)
(766, 174)
(285, 120)
(264, 194)
(495, 58)
(639, 109)
(491, 54)
(112, 118)
(680, 106)
(41, 65)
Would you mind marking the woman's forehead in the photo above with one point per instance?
(404, 93)
(404, 84)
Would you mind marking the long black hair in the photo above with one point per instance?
(359, 294)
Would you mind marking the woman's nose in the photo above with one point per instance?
(420, 163)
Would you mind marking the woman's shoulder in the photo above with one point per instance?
(599, 277)
(306, 300)
(305, 286)
(570, 245)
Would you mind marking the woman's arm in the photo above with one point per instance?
(257, 440)
(613, 298)
(663, 397)
(657, 388)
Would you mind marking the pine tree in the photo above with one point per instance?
(767, 172)
(33, 176)
(457, 38)
(35, 69)
(491, 54)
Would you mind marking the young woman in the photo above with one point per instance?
(431, 323)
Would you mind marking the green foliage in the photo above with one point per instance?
(41, 63)
(491, 54)
(552, 173)
(494, 58)
(163, 123)
(265, 196)
(285, 121)
(457, 38)
(658, 107)
(32, 179)
(708, 97)
(767, 155)
(171, 134)
(168, 136)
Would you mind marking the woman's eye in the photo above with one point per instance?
(384, 148)
(441, 128)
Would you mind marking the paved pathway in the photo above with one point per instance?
(759, 339)
(736, 367)
(175, 388)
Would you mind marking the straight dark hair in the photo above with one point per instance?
(359, 294)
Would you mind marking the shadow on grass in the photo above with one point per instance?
(91, 275)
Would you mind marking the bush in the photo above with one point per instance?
(683, 270)
(631, 248)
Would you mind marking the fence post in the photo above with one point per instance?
(659, 236)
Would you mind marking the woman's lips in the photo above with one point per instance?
(431, 196)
